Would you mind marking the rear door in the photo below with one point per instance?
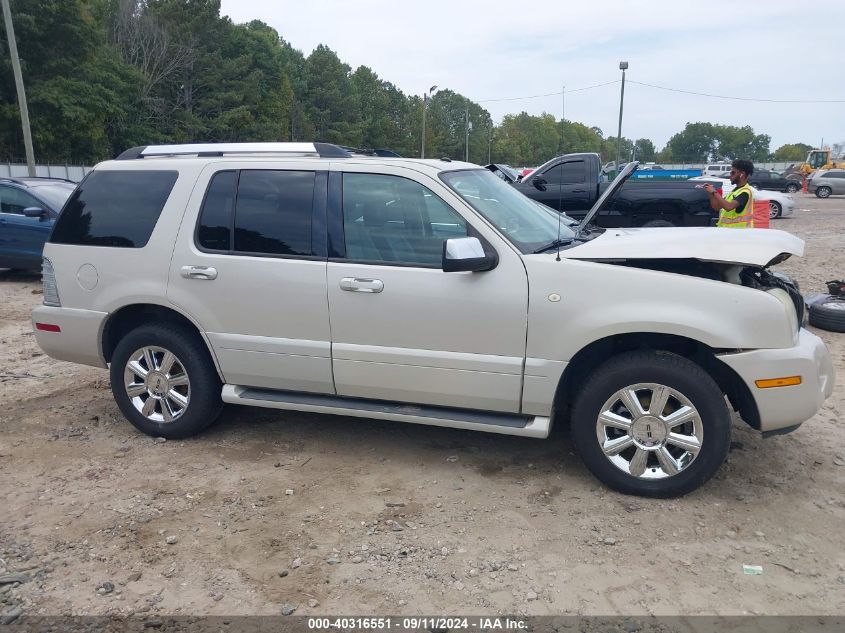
(402, 329)
(250, 267)
(22, 238)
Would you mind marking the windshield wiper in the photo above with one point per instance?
(555, 244)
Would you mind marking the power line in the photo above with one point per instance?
(704, 94)
(689, 92)
(551, 94)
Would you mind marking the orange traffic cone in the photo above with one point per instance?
(804, 185)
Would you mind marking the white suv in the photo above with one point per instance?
(302, 277)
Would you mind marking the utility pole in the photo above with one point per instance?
(623, 66)
(425, 103)
(16, 68)
(489, 141)
(563, 104)
(466, 154)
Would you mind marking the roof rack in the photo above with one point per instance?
(383, 153)
(323, 150)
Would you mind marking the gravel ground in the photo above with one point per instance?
(271, 510)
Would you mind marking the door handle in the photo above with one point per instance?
(356, 284)
(199, 272)
(578, 190)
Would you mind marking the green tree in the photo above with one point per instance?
(696, 143)
(644, 150)
(792, 151)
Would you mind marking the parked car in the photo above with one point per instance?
(771, 180)
(719, 170)
(298, 277)
(28, 209)
(827, 183)
(781, 205)
(572, 183)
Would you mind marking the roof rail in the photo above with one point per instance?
(323, 150)
(384, 153)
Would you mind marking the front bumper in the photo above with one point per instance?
(784, 407)
(80, 338)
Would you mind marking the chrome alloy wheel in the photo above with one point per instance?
(649, 431)
(157, 384)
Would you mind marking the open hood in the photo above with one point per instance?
(754, 247)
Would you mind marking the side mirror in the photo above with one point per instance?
(35, 212)
(539, 182)
(465, 254)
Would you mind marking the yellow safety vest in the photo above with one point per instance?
(738, 218)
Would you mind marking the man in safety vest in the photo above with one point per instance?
(736, 210)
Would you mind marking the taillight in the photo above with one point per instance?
(48, 279)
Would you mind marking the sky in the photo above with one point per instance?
(495, 50)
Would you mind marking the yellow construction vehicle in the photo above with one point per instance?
(820, 159)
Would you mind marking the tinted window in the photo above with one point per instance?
(573, 173)
(273, 212)
(215, 227)
(396, 220)
(114, 208)
(552, 176)
(14, 200)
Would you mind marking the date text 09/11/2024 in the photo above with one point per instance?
(431, 623)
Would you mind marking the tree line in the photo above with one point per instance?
(105, 75)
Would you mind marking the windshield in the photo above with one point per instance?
(55, 194)
(525, 223)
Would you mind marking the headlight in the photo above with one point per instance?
(789, 306)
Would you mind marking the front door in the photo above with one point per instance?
(21, 238)
(404, 330)
(250, 268)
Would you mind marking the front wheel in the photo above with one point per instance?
(774, 209)
(823, 192)
(651, 423)
(164, 381)
(793, 187)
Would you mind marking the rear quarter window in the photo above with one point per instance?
(114, 208)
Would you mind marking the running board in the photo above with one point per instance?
(504, 423)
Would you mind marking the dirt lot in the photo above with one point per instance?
(341, 515)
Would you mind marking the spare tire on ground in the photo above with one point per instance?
(828, 313)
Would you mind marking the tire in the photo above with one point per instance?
(823, 192)
(774, 209)
(647, 440)
(828, 314)
(191, 401)
(793, 187)
(657, 223)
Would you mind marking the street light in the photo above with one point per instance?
(426, 97)
(623, 66)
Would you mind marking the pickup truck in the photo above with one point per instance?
(573, 182)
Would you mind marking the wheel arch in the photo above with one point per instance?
(127, 318)
(590, 357)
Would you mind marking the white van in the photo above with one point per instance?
(717, 170)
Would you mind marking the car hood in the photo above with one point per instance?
(754, 247)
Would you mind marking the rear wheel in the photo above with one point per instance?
(164, 381)
(657, 223)
(823, 192)
(651, 423)
(774, 209)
